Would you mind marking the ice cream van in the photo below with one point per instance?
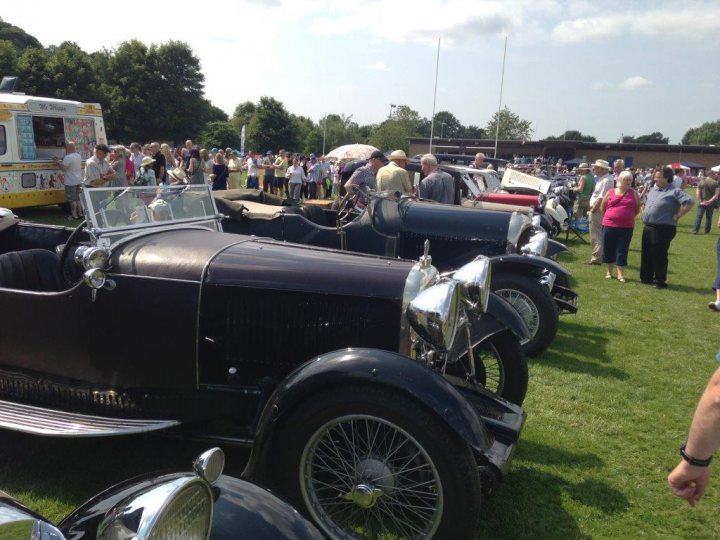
(33, 131)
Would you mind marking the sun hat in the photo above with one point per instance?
(583, 167)
(398, 155)
(602, 164)
(178, 174)
(147, 160)
(269, 153)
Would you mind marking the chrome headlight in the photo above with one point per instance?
(179, 508)
(537, 221)
(94, 278)
(434, 314)
(537, 245)
(91, 257)
(210, 464)
(474, 279)
(517, 225)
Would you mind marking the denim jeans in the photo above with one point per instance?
(704, 211)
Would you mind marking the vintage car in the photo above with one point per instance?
(199, 505)
(357, 380)
(537, 287)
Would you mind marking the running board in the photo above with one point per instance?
(54, 423)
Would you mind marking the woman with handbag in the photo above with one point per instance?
(146, 174)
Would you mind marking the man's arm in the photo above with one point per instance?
(686, 480)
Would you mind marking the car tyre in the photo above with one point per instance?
(534, 304)
(356, 458)
(501, 367)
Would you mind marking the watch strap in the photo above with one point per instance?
(692, 460)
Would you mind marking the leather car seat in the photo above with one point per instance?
(31, 270)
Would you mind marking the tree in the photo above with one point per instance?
(654, 137)
(18, 37)
(243, 114)
(389, 135)
(708, 133)
(220, 134)
(472, 132)
(571, 135)
(447, 126)
(511, 125)
(34, 78)
(271, 126)
(72, 73)
(8, 58)
(409, 119)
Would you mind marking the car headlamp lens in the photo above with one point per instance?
(210, 464)
(94, 278)
(179, 508)
(537, 221)
(474, 279)
(434, 314)
(537, 245)
(91, 257)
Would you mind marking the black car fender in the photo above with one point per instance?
(514, 261)
(363, 367)
(554, 247)
(499, 316)
(239, 506)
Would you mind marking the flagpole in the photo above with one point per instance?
(432, 122)
(502, 80)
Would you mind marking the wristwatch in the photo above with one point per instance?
(694, 461)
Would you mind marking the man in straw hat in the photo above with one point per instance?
(584, 189)
(393, 176)
(603, 183)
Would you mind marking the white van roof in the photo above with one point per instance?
(24, 102)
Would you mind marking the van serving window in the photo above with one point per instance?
(3, 141)
(40, 137)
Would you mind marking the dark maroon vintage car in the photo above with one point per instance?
(359, 381)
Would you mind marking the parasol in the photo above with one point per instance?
(716, 168)
(350, 152)
(677, 165)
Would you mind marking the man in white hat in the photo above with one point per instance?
(603, 183)
(393, 176)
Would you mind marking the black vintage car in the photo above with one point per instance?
(357, 380)
(198, 505)
(537, 287)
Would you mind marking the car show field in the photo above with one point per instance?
(607, 406)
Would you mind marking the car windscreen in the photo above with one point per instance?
(114, 213)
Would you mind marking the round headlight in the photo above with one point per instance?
(91, 257)
(537, 244)
(179, 508)
(474, 279)
(434, 314)
(94, 278)
(210, 464)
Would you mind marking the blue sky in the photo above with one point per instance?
(604, 68)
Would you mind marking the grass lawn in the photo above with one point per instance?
(608, 406)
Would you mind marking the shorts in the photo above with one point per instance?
(72, 193)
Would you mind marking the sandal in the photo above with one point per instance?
(621, 279)
(608, 276)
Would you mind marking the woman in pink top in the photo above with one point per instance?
(620, 206)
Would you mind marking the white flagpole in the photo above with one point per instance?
(432, 122)
(502, 80)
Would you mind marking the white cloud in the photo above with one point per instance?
(695, 21)
(633, 83)
(600, 85)
(379, 66)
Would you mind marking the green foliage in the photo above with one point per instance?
(447, 126)
(389, 135)
(243, 114)
(571, 135)
(270, 127)
(654, 137)
(72, 73)
(18, 37)
(220, 134)
(512, 127)
(8, 58)
(33, 73)
(708, 133)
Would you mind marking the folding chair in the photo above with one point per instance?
(579, 227)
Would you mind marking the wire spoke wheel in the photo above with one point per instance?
(365, 476)
(489, 367)
(524, 305)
